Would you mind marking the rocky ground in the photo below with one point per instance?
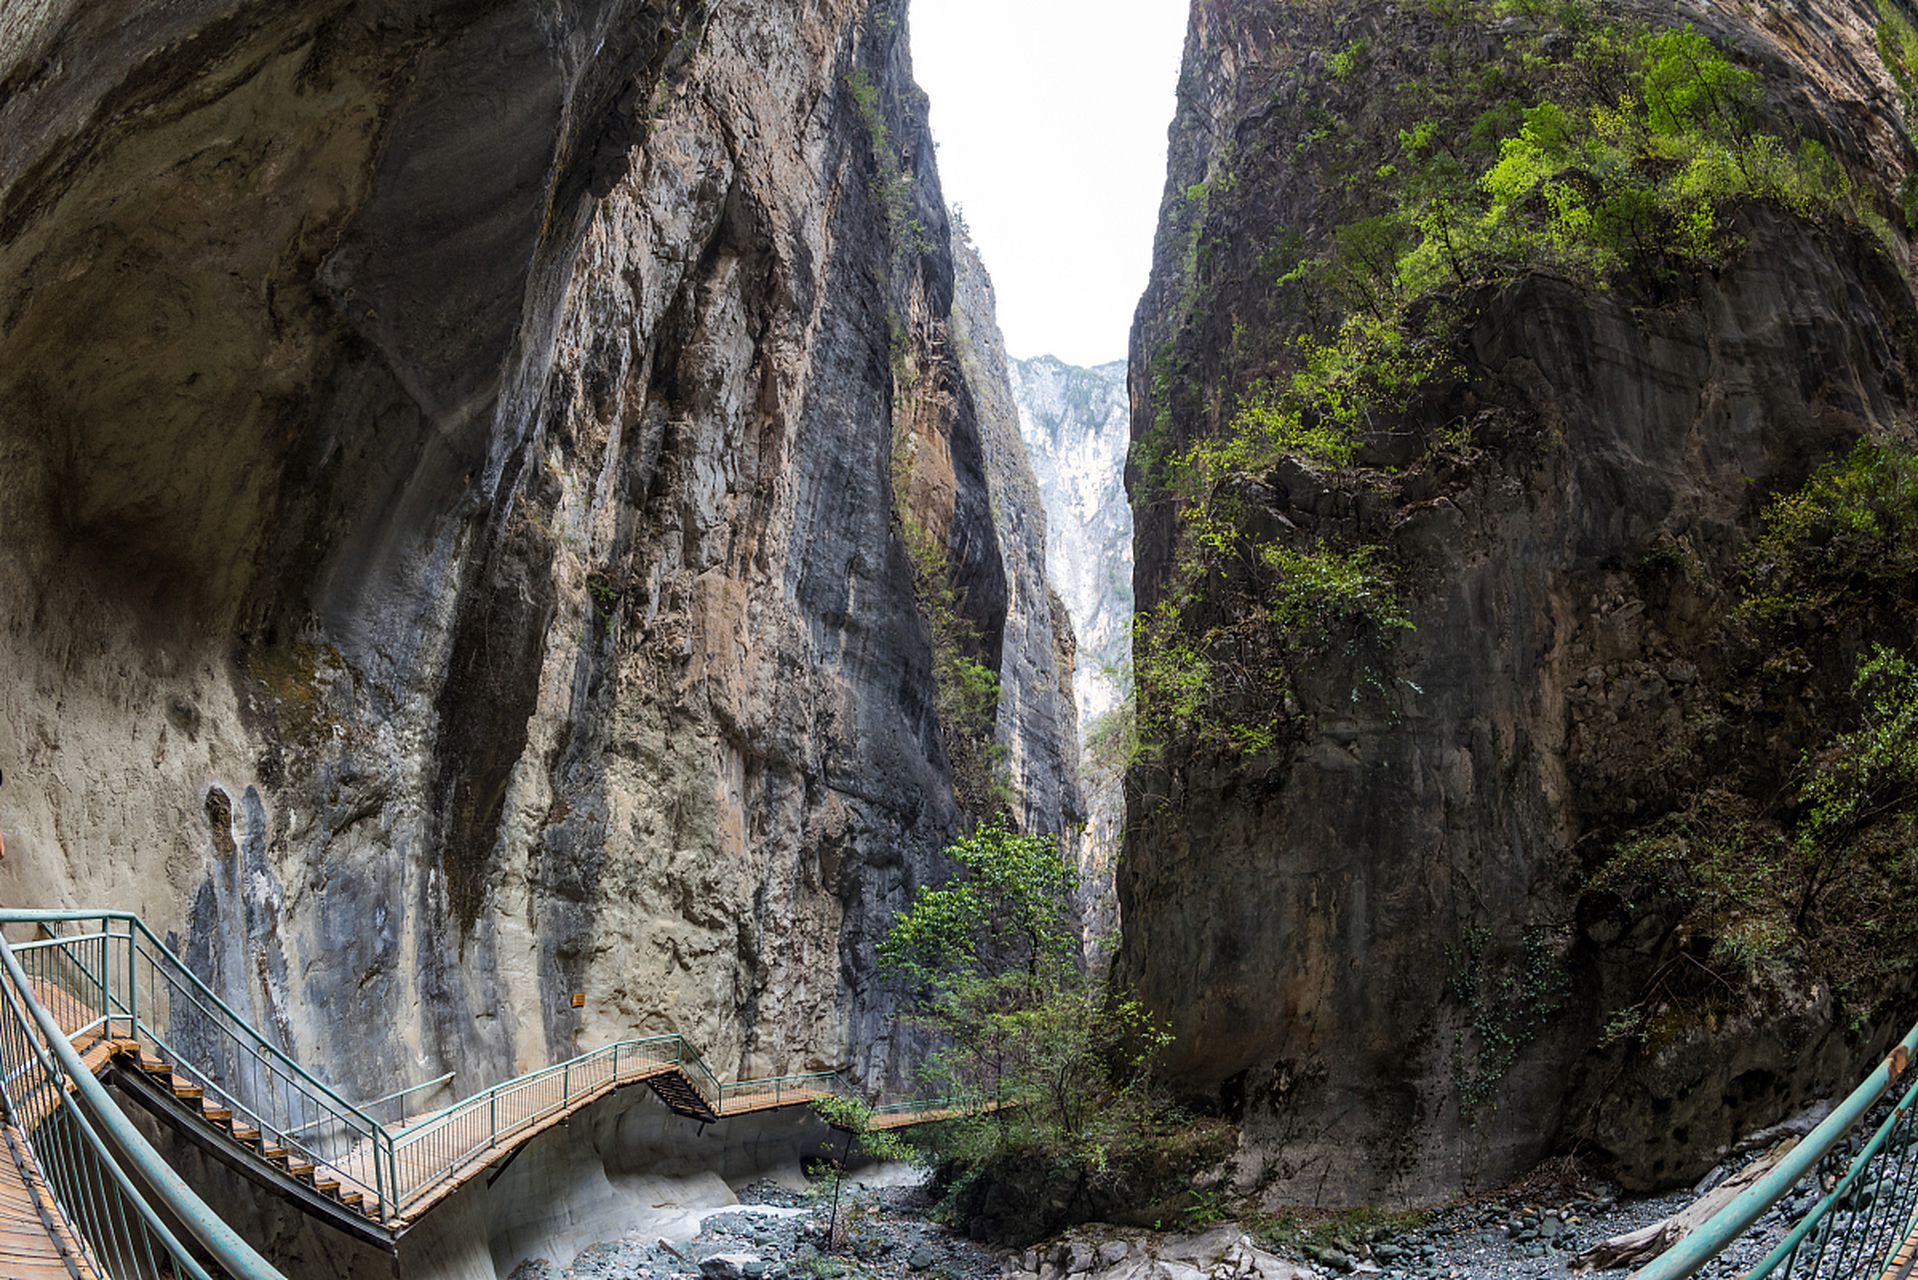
(778, 1234)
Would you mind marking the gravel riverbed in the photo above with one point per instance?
(778, 1234)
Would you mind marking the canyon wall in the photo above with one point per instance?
(1076, 425)
(453, 558)
(1445, 891)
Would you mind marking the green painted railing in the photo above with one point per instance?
(83, 1146)
(1867, 1215)
(112, 975)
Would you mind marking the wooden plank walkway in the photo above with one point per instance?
(1906, 1256)
(36, 1241)
(432, 1159)
(28, 1249)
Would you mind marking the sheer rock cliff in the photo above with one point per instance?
(1377, 931)
(452, 544)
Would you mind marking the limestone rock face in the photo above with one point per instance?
(451, 548)
(1038, 722)
(1077, 424)
(1375, 939)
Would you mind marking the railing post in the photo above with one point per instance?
(566, 1084)
(492, 1122)
(106, 1001)
(133, 992)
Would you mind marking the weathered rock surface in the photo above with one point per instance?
(1221, 1252)
(1038, 725)
(1076, 425)
(450, 544)
(1372, 940)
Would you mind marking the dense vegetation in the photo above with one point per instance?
(1573, 140)
(1772, 891)
(1049, 1065)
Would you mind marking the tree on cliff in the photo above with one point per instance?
(1045, 1064)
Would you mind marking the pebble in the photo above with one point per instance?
(891, 1239)
(1495, 1239)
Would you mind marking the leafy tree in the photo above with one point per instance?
(852, 1118)
(1011, 911)
(1045, 1065)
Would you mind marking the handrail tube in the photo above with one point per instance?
(238, 1258)
(17, 915)
(222, 1020)
(1820, 1214)
(35, 1053)
(1730, 1222)
(414, 1088)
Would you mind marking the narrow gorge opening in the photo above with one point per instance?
(583, 579)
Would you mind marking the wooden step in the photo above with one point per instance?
(327, 1186)
(299, 1169)
(352, 1199)
(188, 1092)
(276, 1154)
(217, 1115)
(246, 1135)
(155, 1066)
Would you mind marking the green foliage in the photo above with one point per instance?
(1224, 686)
(1872, 769)
(605, 595)
(1509, 1004)
(892, 186)
(1819, 884)
(1341, 65)
(966, 691)
(1317, 413)
(1047, 1061)
(1012, 909)
(1845, 540)
(1898, 49)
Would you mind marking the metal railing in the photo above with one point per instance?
(108, 974)
(97, 1215)
(1866, 1217)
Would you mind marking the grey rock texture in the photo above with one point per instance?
(1384, 912)
(451, 555)
(1038, 725)
(1077, 424)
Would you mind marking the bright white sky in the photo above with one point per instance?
(1051, 118)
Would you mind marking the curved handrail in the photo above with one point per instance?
(1887, 1228)
(396, 1167)
(96, 1112)
(205, 1041)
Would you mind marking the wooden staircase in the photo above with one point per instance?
(677, 1092)
(192, 1103)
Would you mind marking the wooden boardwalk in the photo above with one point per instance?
(34, 1245)
(435, 1158)
(36, 1241)
(396, 1176)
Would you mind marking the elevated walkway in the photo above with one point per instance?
(133, 1015)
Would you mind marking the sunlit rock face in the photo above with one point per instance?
(1376, 937)
(451, 548)
(1077, 426)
